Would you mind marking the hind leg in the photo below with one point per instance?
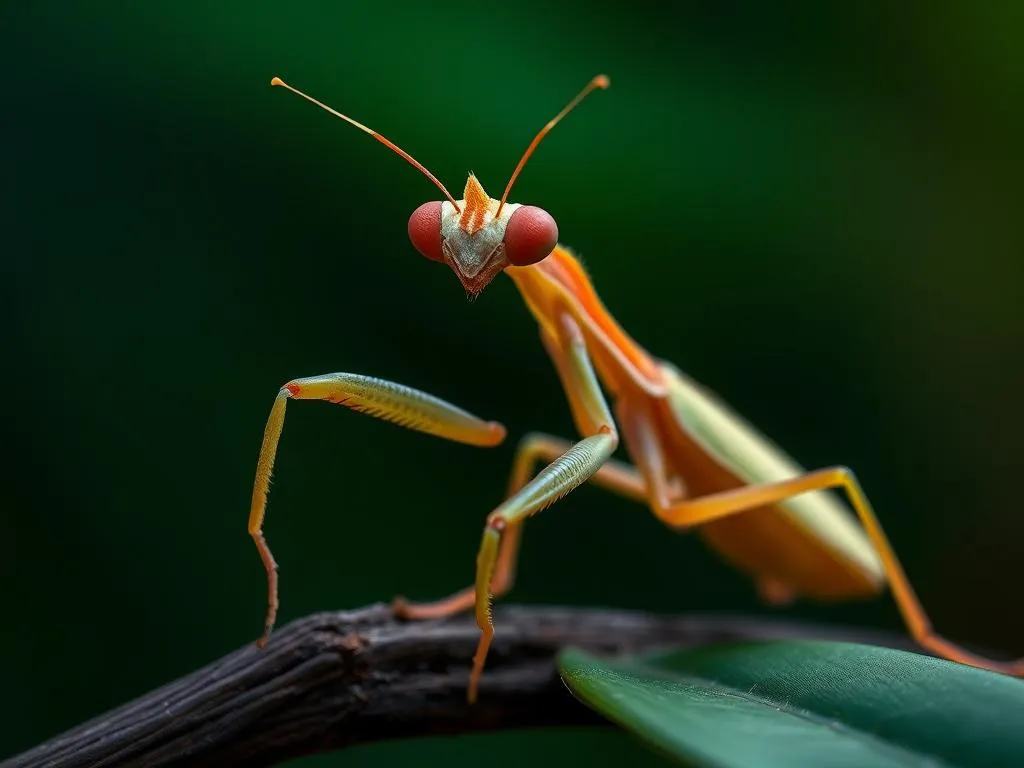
(693, 512)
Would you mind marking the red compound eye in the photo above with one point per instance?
(531, 234)
(425, 230)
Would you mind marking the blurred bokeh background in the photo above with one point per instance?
(817, 212)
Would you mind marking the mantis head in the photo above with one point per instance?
(478, 236)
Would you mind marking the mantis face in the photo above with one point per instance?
(478, 236)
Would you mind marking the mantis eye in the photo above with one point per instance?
(425, 230)
(531, 234)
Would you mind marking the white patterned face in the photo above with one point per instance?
(478, 237)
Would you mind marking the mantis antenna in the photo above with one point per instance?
(601, 81)
(386, 142)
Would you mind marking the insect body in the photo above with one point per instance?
(696, 464)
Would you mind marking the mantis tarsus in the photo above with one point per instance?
(697, 464)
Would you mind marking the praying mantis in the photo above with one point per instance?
(696, 464)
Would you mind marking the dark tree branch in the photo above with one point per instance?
(335, 679)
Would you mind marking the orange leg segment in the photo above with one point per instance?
(719, 505)
(690, 513)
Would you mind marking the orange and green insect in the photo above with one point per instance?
(696, 463)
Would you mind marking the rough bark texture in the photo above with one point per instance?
(334, 679)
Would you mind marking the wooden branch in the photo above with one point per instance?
(335, 679)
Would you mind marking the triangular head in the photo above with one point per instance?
(478, 236)
(484, 237)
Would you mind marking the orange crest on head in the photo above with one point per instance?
(477, 204)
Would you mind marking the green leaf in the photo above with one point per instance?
(806, 703)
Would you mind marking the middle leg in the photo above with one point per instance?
(535, 448)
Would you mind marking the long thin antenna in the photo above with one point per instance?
(387, 143)
(601, 81)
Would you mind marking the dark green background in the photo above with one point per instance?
(817, 213)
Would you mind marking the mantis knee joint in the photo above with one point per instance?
(496, 523)
(846, 475)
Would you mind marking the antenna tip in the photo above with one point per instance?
(602, 81)
(276, 81)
